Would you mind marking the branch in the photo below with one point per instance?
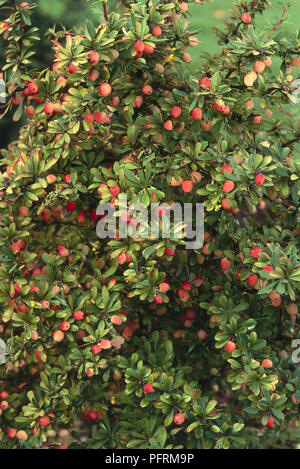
(281, 19)
(105, 11)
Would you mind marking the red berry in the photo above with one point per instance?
(30, 111)
(227, 169)
(196, 113)
(71, 206)
(72, 68)
(176, 111)
(114, 190)
(158, 299)
(228, 186)
(148, 388)
(139, 46)
(225, 264)
(44, 421)
(252, 280)
(64, 326)
(230, 347)
(260, 179)
(168, 125)
(89, 117)
(266, 363)
(147, 89)
(205, 83)
(105, 89)
(179, 419)
(270, 422)
(96, 349)
(94, 57)
(187, 186)
(32, 88)
(156, 31)
(255, 252)
(48, 108)
(78, 315)
(246, 18)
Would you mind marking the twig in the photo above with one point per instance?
(281, 19)
(105, 11)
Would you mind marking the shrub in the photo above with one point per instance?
(140, 342)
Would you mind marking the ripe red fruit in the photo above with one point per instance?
(187, 286)
(157, 31)
(105, 89)
(90, 372)
(205, 83)
(114, 190)
(268, 268)
(92, 415)
(22, 435)
(72, 68)
(256, 120)
(147, 90)
(228, 186)
(148, 49)
(179, 419)
(58, 336)
(266, 363)
(148, 388)
(93, 75)
(246, 18)
(44, 421)
(139, 46)
(187, 186)
(89, 117)
(225, 264)
(48, 108)
(225, 204)
(71, 206)
(219, 106)
(260, 179)
(138, 101)
(270, 422)
(170, 251)
(116, 320)
(227, 169)
(23, 211)
(96, 349)
(94, 57)
(230, 347)
(62, 251)
(122, 258)
(158, 299)
(252, 280)
(196, 113)
(168, 125)
(64, 326)
(30, 111)
(78, 315)
(176, 111)
(32, 88)
(11, 432)
(255, 252)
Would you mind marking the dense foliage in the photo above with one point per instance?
(139, 342)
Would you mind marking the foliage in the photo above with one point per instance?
(140, 343)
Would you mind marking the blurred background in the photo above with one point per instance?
(72, 14)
